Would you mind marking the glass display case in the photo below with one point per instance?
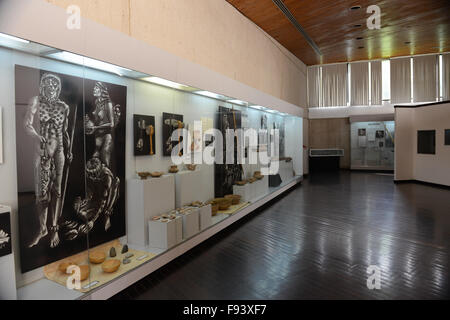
(372, 145)
(116, 167)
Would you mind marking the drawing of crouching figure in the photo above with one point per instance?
(102, 195)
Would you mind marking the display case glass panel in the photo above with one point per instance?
(115, 167)
(372, 145)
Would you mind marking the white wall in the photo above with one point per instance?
(423, 167)
(211, 33)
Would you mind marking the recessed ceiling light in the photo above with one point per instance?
(359, 38)
(407, 42)
(355, 8)
(361, 47)
(357, 25)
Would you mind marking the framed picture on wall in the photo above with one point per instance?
(5, 234)
(447, 137)
(144, 135)
(426, 141)
(171, 122)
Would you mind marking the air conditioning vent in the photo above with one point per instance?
(326, 152)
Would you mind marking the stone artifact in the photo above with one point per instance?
(111, 266)
(124, 249)
(156, 218)
(241, 183)
(126, 261)
(97, 257)
(129, 255)
(112, 252)
(251, 180)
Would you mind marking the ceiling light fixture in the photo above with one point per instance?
(357, 25)
(355, 8)
(167, 83)
(6, 36)
(212, 95)
(359, 38)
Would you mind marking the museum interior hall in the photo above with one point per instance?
(224, 150)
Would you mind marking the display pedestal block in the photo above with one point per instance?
(205, 217)
(8, 290)
(261, 187)
(243, 191)
(163, 235)
(146, 199)
(188, 186)
(286, 171)
(191, 224)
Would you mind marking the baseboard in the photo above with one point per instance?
(430, 184)
(372, 170)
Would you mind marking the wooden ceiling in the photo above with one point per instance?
(407, 27)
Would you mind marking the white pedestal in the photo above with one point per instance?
(179, 229)
(262, 187)
(205, 217)
(8, 290)
(252, 190)
(188, 188)
(190, 222)
(146, 199)
(162, 234)
(243, 191)
(286, 171)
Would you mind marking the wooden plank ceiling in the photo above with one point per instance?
(407, 27)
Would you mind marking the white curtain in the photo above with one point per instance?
(359, 83)
(334, 85)
(425, 78)
(376, 84)
(313, 86)
(401, 80)
(446, 76)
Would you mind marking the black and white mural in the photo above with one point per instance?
(171, 122)
(70, 163)
(5, 234)
(144, 135)
(227, 174)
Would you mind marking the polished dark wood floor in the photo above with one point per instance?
(316, 242)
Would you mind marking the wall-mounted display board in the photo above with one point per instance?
(447, 137)
(76, 130)
(227, 174)
(144, 135)
(1, 137)
(5, 234)
(426, 141)
(171, 122)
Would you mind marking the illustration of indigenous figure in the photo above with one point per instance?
(103, 120)
(102, 195)
(53, 154)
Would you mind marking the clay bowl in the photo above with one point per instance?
(64, 265)
(251, 180)
(173, 169)
(241, 183)
(223, 203)
(197, 204)
(111, 266)
(257, 173)
(191, 167)
(259, 177)
(156, 174)
(144, 175)
(214, 209)
(97, 257)
(235, 198)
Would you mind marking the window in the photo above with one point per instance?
(386, 79)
